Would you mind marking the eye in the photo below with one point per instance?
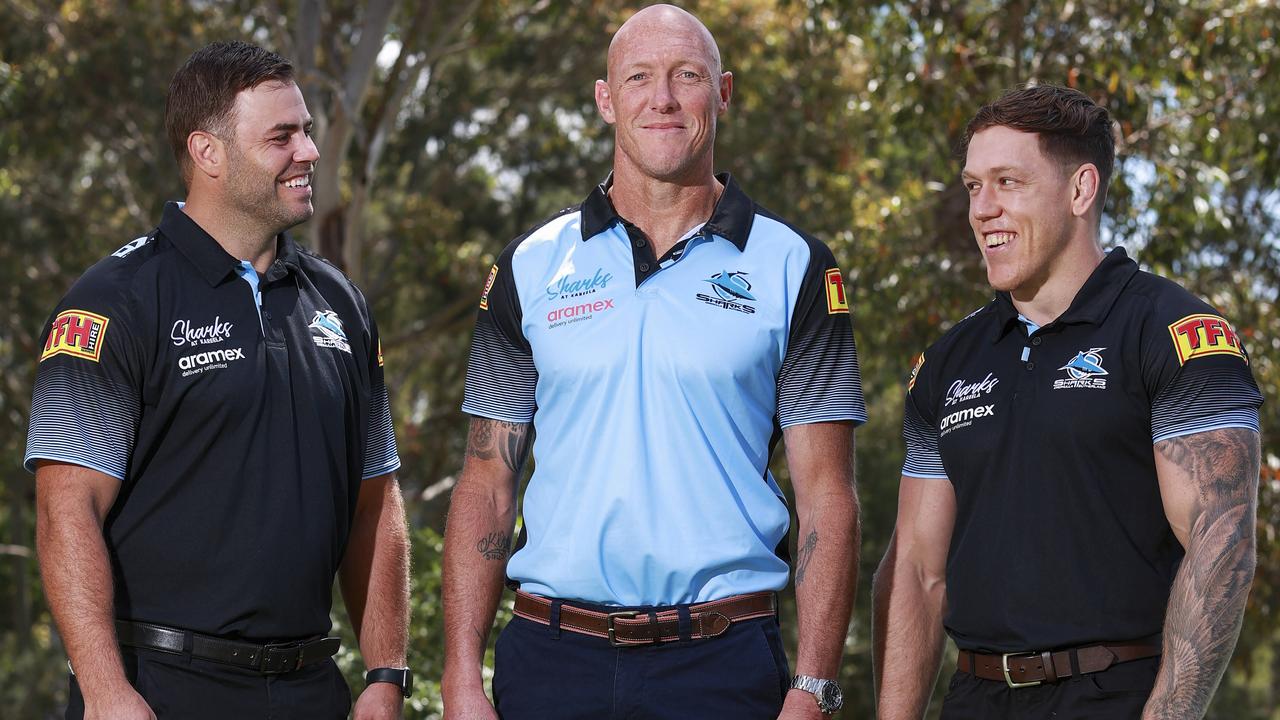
(1007, 182)
(971, 186)
(637, 77)
(282, 139)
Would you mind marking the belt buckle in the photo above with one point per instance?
(1004, 665)
(626, 615)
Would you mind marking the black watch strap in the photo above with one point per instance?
(400, 677)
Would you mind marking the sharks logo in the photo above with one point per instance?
(1084, 371)
(731, 290)
(327, 331)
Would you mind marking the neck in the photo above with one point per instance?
(1047, 300)
(663, 210)
(238, 234)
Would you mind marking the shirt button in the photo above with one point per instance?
(1031, 366)
(1035, 341)
(640, 242)
(644, 267)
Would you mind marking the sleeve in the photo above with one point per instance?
(86, 404)
(380, 453)
(1197, 372)
(819, 380)
(501, 379)
(923, 460)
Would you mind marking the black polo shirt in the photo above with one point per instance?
(240, 431)
(1060, 536)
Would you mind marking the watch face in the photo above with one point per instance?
(832, 698)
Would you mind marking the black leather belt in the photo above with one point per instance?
(267, 659)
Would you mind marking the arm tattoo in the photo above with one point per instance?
(1207, 601)
(499, 439)
(494, 546)
(805, 554)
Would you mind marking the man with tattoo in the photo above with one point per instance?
(1077, 505)
(661, 337)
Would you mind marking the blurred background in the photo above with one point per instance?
(448, 128)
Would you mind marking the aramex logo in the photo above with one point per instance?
(578, 310)
(208, 360)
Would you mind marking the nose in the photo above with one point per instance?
(983, 204)
(663, 99)
(307, 152)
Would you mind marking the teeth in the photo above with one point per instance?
(298, 182)
(998, 238)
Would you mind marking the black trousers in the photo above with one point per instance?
(184, 688)
(1117, 693)
(544, 674)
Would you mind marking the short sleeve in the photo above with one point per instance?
(501, 379)
(923, 459)
(86, 405)
(1198, 374)
(380, 454)
(819, 380)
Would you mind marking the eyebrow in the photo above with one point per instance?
(290, 127)
(995, 171)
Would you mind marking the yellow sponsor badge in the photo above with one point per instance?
(379, 352)
(488, 285)
(915, 372)
(836, 301)
(78, 333)
(1197, 335)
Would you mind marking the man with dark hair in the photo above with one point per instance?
(1077, 505)
(212, 440)
(661, 337)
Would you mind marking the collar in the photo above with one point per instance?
(730, 219)
(1092, 303)
(212, 261)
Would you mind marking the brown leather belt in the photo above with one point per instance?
(1032, 668)
(631, 627)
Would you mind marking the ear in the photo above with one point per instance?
(726, 91)
(208, 153)
(1085, 189)
(604, 102)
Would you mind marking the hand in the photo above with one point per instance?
(123, 703)
(468, 705)
(800, 705)
(379, 701)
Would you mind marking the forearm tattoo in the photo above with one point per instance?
(494, 546)
(805, 554)
(1207, 601)
(499, 439)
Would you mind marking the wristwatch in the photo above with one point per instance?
(826, 692)
(400, 677)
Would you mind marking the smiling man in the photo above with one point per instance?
(212, 440)
(660, 337)
(1077, 505)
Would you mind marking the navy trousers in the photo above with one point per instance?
(544, 673)
(1117, 693)
(181, 688)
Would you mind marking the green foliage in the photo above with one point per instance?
(844, 119)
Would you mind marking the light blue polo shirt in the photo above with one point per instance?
(658, 388)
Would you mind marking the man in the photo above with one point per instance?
(660, 338)
(1077, 504)
(211, 438)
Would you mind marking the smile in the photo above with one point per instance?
(996, 239)
(299, 182)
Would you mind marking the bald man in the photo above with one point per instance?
(658, 340)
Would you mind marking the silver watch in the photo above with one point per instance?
(826, 692)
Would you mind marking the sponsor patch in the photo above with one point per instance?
(78, 333)
(1202, 334)
(184, 332)
(570, 314)
(964, 418)
(130, 246)
(836, 301)
(379, 352)
(569, 287)
(915, 372)
(961, 391)
(200, 362)
(1083, 371)
(731, 290)
(488, 285)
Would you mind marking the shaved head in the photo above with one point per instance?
(658, 20)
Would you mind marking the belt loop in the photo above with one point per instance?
(1050, 672)
(554, 626)
(1075, 663)
(654, 627)
(685, 624)
(188, 642)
